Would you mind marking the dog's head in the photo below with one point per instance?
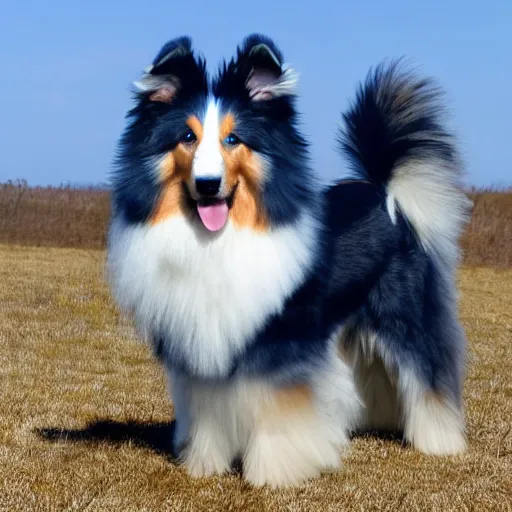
(215, 152)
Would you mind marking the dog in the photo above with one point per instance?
(287, 314)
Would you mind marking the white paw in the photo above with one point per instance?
(290, 458)
(206, 454)
(439, 440)
(201, 466)
(435, 427)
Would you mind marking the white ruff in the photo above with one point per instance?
(207, 294)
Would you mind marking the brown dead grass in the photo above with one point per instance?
(53, 217)
(85, 416)
(488, 238)
(68, 217)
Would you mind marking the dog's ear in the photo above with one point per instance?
(259, 66)
(268, 77)
(174, 69)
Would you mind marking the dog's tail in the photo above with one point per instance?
(394, 137)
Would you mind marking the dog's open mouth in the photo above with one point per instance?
(213, 212)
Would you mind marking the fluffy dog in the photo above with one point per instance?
(288, 315)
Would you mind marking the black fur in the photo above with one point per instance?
(395, 116)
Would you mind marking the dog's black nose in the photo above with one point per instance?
(208, 187)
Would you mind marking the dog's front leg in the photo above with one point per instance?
(203, 435)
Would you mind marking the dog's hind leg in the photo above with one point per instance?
(429, 358)
(432, 419)
(408, 392)
(376, 387)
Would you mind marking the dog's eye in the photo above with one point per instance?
(231, 140)
(188, 137)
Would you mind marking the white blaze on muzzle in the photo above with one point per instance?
(208, 164)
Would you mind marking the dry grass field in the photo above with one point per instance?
(85, 419)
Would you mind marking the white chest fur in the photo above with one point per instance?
(208, 294)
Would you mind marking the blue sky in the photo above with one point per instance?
(66, 69)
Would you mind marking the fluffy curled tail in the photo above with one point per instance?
(394, 137)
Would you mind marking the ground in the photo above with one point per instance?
(85, 418)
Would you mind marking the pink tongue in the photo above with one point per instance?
(214, 216)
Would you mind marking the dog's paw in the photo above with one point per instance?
(440, 440)
(435, 426)
(206, 455)
(199, 466)
(289, 461)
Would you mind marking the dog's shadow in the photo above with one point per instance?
(392, 436)
(154, 436)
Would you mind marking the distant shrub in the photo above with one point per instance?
(53, 216)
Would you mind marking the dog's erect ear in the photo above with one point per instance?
(173, 69)
(267, 76)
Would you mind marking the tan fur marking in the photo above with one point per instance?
(195, 125)
(244, 170)
(286, 403)
(170, 203)
(294, 399)
(174, 170)
(227, 125)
